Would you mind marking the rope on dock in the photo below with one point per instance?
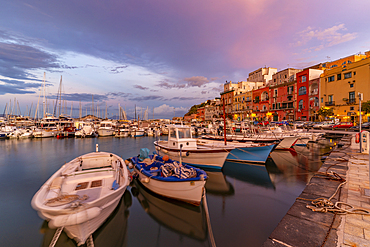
(210, 233)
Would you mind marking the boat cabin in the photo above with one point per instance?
(180, 136)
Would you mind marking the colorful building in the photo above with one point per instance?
(303, 92)
(282, 100)
(340, 86)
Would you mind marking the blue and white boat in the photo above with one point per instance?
(169, 178)
(3, 135)
(254, 153)
(244, 152)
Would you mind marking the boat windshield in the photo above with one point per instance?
(184, 133)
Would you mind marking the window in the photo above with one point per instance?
(354, 72)
(316, 102)
(322, 100)
(290, 89)
(351, 97)
(347, 75)
(339, 76)
(330, 98)
(302, 91)
(304, 78)
(331, 78)
(351, 85)
(352, 108)
(300, 104)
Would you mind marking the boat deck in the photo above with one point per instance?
(94, 182)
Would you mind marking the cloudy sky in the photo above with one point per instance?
(162, 55)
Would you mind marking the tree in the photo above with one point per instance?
(365, 107)
(325, 112)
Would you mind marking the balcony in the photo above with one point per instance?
(351, 101)
(330, 103)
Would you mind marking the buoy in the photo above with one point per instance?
(357, 137)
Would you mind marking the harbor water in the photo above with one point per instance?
(245, 202)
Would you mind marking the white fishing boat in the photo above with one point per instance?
(123, 131)
(44, 133)
(106, 128)
(46, 127)
(87, 130)
(27, 133)
(168, 178)
(113, 232)
(137, 132)
(181, 143)
(81, 194)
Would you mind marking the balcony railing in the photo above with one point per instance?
(351, 101)
(330, 103)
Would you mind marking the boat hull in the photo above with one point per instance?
(105, 132)
(188, 191)
(253, 154)
(213, 158)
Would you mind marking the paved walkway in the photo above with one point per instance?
(302, 227)
(354, 229)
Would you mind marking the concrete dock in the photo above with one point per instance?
(344, 178)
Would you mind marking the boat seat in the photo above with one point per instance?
(56, 183)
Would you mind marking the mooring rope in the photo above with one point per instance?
(210, 233)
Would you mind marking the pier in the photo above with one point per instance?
(343, 180)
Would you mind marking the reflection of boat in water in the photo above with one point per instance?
(251, 173)
(297, 164)
(112, 233)
(218, 185)
(175, 215)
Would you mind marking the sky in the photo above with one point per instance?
(163, 55)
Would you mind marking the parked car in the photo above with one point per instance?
(323, 125)
(343, 125)
(299, 123)
(364, 126)
(309, 124)
(264, 123)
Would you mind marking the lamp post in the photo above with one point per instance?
(360, 96)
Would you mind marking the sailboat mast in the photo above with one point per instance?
(44, 99)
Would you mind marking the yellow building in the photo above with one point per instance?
(242, 105)
(340, 85)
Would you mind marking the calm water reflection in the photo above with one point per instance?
(245, 201)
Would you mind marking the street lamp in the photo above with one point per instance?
(360, 97)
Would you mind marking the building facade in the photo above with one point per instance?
(340, 86)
